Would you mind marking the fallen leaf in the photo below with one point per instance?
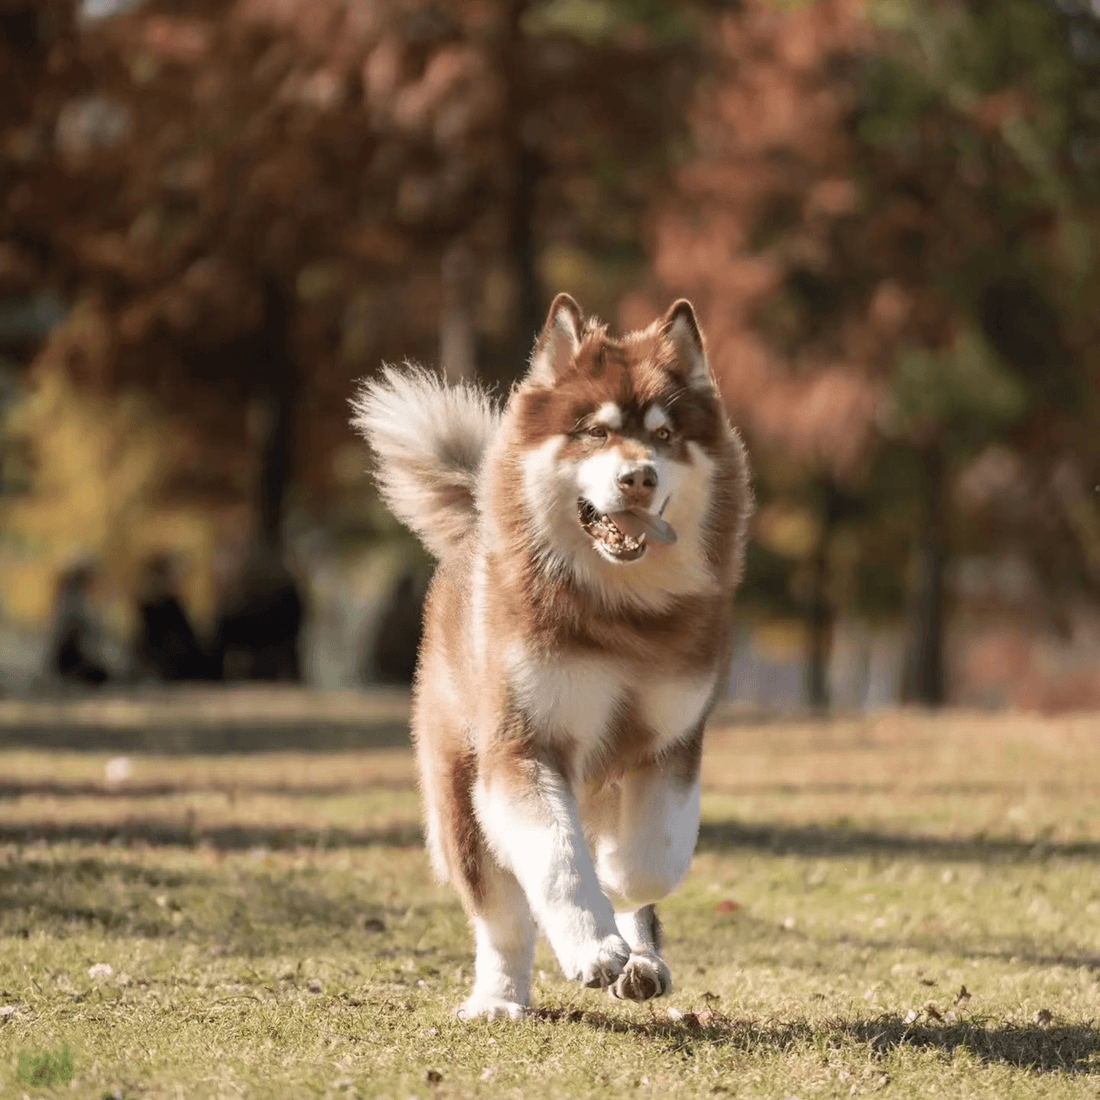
(1043, 1018)
(708, 996)
(727, 905)
(962, 997)
(911, 1016)
(928, 981)
(433, 1077)
(933, 1012)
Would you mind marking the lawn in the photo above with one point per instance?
(899, 904)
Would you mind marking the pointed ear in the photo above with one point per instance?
(559, 340)
(681, 329)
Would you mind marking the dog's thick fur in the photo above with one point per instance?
(568, 665)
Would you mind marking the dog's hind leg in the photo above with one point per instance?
(504, 933)
(644, 843)
(504, 930)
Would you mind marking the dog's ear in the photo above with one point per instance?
(682, 331)
(559, 340)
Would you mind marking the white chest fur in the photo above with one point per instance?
(579, 697)
(568, 695)
(671, 708)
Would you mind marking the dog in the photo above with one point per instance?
(590, 535)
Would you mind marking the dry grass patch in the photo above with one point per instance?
(903, 906)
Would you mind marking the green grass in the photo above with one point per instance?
(272, 929)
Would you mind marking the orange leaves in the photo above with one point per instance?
(186, 41)
(787, 254)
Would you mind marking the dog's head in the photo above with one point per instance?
(620, 443)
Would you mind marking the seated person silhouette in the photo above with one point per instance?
(166, 644)
(72, 651)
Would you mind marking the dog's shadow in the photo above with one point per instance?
(1066, 1049)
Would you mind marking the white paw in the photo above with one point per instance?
(599, 963)
(643, 977)
(490, 1008)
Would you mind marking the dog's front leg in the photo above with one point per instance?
(529, 815)
(642, 854)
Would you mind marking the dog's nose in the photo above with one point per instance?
(638, 483)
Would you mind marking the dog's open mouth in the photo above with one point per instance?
(622, 535)
(611, 539)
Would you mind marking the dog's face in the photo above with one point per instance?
(618, 443)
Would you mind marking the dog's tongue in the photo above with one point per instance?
(636, 524)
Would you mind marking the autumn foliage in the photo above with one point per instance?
(884, 214)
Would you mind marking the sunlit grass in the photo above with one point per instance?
(906, 905)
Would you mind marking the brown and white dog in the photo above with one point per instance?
(590, 536)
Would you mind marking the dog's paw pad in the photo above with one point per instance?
(490, 1008)
(604, 964)
(643, 977)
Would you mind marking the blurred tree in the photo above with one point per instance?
(251, 204)
(889, 232)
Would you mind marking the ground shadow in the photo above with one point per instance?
(208, 720)
(836, 841)
(40, 788)
(209, 738)
(33, 891)
(123, 898)
(1057, 1048)
(1005, 949)
(190, 834)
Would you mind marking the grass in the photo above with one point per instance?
(902, 905)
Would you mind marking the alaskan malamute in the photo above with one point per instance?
(590, 535)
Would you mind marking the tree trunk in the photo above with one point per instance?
(276, 408)
(522, 244)
(923, 676)
(820, 614)
(819, 629)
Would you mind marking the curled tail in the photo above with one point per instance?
(429, 439)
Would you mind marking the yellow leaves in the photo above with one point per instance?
(99, 465)
(787, 530)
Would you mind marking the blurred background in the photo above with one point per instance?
(216, 216)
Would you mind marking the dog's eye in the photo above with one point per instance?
(663, 434)
(597, 431)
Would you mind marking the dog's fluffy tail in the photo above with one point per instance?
(429, 439)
